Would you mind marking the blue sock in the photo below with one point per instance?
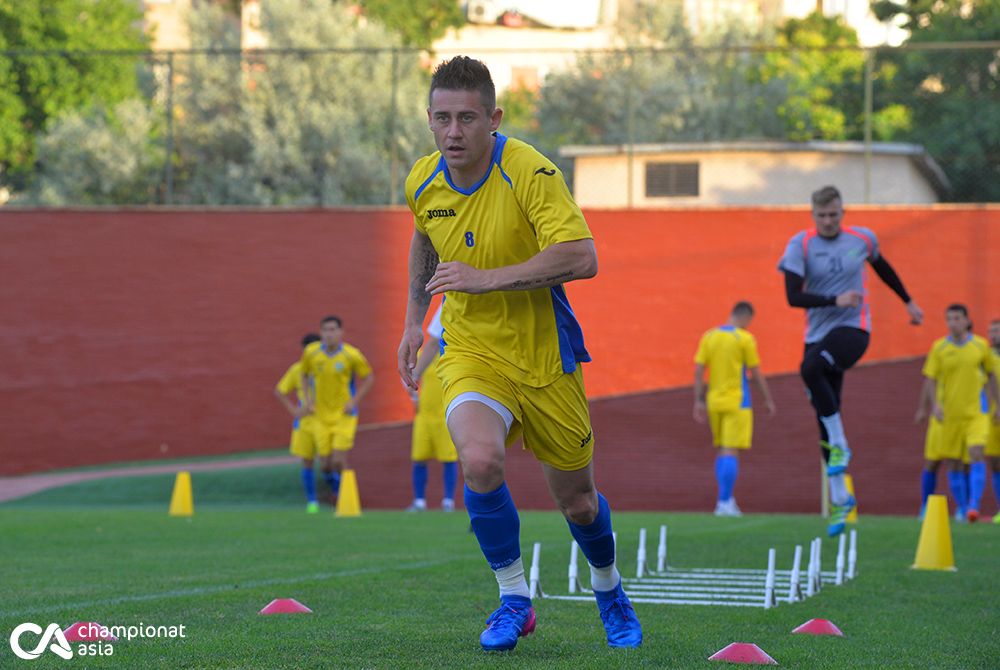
(596, 540)
(977, 484)
(928, 484)
(333, 480)
(450, 473)
(996, 486)
(726, 470)
(420, 480)
(956, 482)
(496, 525)
(309, 484)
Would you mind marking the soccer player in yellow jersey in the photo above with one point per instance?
(340, 377)
(730, 354)
(430, 432)
(992, 450)
(304, 442)
(957, 368)
(498, 233)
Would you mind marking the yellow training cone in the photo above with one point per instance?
(852, 517)
(934, 547)
(182, 502)
(348, 502)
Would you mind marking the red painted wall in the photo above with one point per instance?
(138, 334)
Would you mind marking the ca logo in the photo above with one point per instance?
(60, 647)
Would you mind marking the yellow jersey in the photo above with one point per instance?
(727, 352)
(292, 381)
(961, 369)
(333, 375)
(519, 208)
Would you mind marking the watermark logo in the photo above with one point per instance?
(60, 647)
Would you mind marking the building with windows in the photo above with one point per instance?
(752, 174)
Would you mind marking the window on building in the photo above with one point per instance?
(666, 180)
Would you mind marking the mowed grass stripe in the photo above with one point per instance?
(412, 591)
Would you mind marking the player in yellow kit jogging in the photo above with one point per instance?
(730, 354)
(498, 233)
(341, 377)
(992, 450)
(304, 440)
(960, 378)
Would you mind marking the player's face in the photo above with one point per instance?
(995, 334)
(827, 218)
(332, 334)
(462, 129)
(958, 323)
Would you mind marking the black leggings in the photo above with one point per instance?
(823, 366)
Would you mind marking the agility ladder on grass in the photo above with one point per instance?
(733, 587)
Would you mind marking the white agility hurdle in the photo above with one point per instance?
(733, 587)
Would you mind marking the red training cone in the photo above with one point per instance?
(285, 606)
(743, 652)
(88, 631)
(819, 627)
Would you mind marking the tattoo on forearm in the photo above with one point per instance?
(523, 284)
(426, 264)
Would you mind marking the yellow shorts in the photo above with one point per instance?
(431, 440)
(554, 419)
(993, 443)
(958, 435)
(307, 438)
(337, 436)
(732, 430)
(932, 442)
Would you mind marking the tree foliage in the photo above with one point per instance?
(297, 128)
(954, 95)
(100, 157)
(417, 22)
(36, 87)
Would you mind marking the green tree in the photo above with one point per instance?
(100, 157)
(37, 87)
(954, 95)
(417, 22)
(298, 127)
(661, 88)
(821, 68)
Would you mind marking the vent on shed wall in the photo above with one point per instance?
(671, 179)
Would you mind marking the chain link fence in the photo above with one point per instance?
(341, 127)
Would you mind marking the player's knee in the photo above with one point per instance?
(482, 466)
(579, 508)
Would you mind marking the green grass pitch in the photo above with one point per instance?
(392, 590)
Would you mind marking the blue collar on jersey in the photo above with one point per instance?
(728, 328)
(443, 167)
(494, 160)
(968, 336)
(331, 353)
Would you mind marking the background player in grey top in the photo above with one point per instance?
(825, 274)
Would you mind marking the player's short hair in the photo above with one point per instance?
(958, 307)
(743, 308)
(462, 73)
(328, 319)
(825, 196)
(309, 338)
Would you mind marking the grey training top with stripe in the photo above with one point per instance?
(831, 267)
